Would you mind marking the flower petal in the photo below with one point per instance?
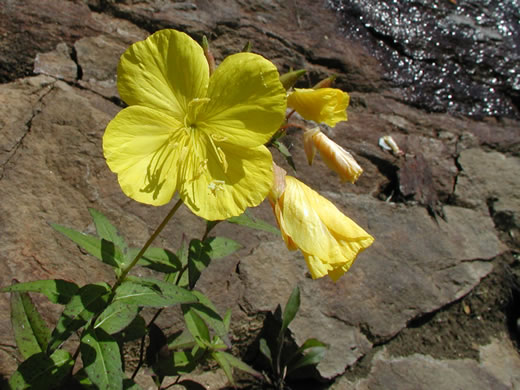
(226, 179)
(327, 105)
(302, 222)
(139, 145)
(166, 71)
(247, 101)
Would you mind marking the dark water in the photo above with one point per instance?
(462, 58)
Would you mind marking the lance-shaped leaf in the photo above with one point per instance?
(310, 353)
(202, 252)
(100, 248)
(30, 330)
(266, 351)
(247, 220)
(198, 328)
(207, 311)
(152, 293)
(158, 259)
(116, 317)
(101, 359)
(57, 290)
(42, 372)
(226, 361)
(291, 308)
(107, 231)
(90, 300)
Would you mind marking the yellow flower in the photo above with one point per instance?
(188, 132)
(329, 241)
(323, 105)
(336, 158)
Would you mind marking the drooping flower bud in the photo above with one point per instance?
(337, 158)
(278, 183)
(308, 143)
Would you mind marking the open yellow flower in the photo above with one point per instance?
(323, 105)
(188, 132)
(329, 240)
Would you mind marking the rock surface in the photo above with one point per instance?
(449, 198)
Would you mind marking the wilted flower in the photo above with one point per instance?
(188, 132)
(336, 158)
(329, 241)
(323, 105)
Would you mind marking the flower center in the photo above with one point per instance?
(192, 111)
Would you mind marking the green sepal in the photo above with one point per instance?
(41, 372)
(290, 78)
(30, 330)
(284, 152)
(57, 290)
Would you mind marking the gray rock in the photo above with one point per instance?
(498, 369)
(57, 63)
(489, 180)
(415, 266)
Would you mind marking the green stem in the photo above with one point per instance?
(145, 247)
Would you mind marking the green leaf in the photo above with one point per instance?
(249, 221)
(181, 340)
(90, 300)
(41, 372)
(237, 363)
(224, 364)
(57, 290)
(101, 359)
(202, 252)
(207, 311)
(30, 330)
(310, 353)
(227, 320)
(129, 384)
(158, 259)
(116, 317)
(285, 152)
(291, 308)
(100, 248)
(152, 293)
(220, 247)
(107, 231)
(266, 351)
(135, 330)
(198, 328)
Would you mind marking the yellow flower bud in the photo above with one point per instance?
(336, 158)
(324, 105)
(329, 240)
